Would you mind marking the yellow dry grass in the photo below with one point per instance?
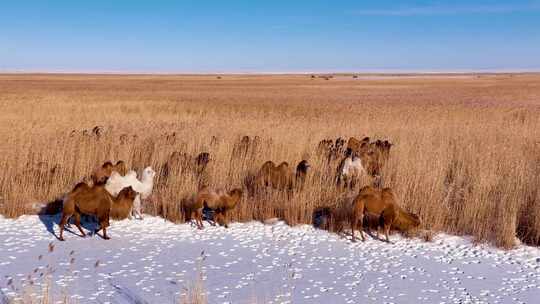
(466, 157)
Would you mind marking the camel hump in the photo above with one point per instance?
(387, 192)
(284, 165)
(219, 192)
(80, 186)
(268, 164)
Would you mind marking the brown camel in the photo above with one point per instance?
(217, 200)
(95, 200)
(101, 174)
(383, 204)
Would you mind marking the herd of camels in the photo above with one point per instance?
(114, 192)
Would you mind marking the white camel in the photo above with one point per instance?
(116, 183)
(349, 169)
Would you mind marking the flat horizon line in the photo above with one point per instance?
(307, 72)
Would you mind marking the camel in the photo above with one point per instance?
(301, 173)
(350, 169)
(201, 162)
(356, 145)
(277, 177)
(122, 206)
(382, 149)
(104, 172)
(324, 147)
(180, 163)
(240, 149)
(95, 200)
(383, 204)
(143, 187)
(331, 150)
(246, 148)
(217, 200)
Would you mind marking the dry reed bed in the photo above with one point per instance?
(466, 155)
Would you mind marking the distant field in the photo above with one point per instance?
(466, 157)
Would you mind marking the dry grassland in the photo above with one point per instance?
(466, 157)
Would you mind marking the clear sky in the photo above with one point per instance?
(268, 36)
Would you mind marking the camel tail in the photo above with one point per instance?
(50, 208)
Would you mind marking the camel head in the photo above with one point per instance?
(236, 193)
(148, 174)
(128, 193)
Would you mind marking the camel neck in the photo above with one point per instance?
(147, 179)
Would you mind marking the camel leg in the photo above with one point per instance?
(200, 216)
(137, 211)
(215, 217)
(327, 224)
(387, 231)
(103, 224)
(139, 215)
(193, 218)
(356, 222)
(368, 228)
(224, 219)
(385, 222)
(77, 217)
(105, 236)
(198, 219)
(360, 224)
(135, 214)
(68, 223)
(188, 216)
(65, 217)
(358, 218)
(103, 227)
(134, 207)
(338, 228)
(353, 222)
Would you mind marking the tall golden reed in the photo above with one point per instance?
(466, 155)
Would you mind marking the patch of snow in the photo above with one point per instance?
(153, 261)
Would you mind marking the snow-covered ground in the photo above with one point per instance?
(153, 261)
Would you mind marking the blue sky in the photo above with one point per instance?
(268, 36)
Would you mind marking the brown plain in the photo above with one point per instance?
(466, 153)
